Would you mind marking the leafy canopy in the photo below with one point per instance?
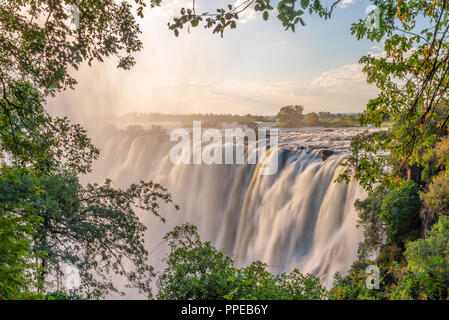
(196, 270)
(47, 215)
(289, 12)
(17, 226)
(290, 116)
(427, 274)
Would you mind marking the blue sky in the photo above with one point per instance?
(256, 68)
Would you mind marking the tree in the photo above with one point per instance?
(428, 265)
(290, 13)
(95, 229)
(353, 285)
(412, 75)
(400, 212)
(374, 228)
(291, 116)
(437, 196)
(17, 226)
(47, 214)
(325, 115)
(312, 119)
(30, 137)
(196, 270)
(40, 41)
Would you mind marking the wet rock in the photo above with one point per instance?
(325, 154)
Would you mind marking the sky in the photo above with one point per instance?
(256, 68)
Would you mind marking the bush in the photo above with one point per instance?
(437, 196)
(196, 270)
(17, 226)
(400, 212)
(427, 275)
(353, 285)
(291, 116)
(374, 229)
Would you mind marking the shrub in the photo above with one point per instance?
(400, 212)
(196, 270)
(427, 275)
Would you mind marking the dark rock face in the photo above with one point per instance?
(428, 219)
(413, 172)
(325, 154)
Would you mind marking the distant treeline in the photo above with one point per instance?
(159, 117)
(297, 119)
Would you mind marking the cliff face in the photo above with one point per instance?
(428, 219)
(413, 172)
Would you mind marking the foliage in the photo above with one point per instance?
(311, 119)
(46, 214)
(437, 196)
(366, 164)
(412, 75)
(419, 272)
(390, 218)
(400, 212)
(30, 137)
(325, 119)
(428, 265)
(436, 159)
(59, 295)
(196, 270)
(353, 285)
(40, 40)
(17, 226)
(94, 228)
(45, 207)
(374, 228)
(39, 43)
(289, 12)
(290, 116)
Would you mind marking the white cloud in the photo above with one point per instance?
(342, 89)
(339, 80)
(172, 8)
(346, 3)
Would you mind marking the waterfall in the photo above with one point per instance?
(297, 218)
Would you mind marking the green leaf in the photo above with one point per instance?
(317, 4)
(305, 3)
(265, 15)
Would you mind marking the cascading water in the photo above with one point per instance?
(297, 218)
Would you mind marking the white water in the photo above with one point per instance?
(298, 218)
